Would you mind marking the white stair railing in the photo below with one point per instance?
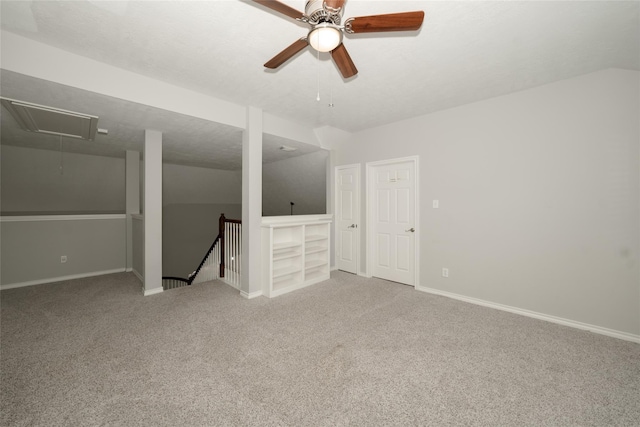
(223, 260)
(232, 252)
(210, 269)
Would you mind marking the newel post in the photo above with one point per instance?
(221, 241)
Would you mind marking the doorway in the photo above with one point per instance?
(392, 220)
(347, 179)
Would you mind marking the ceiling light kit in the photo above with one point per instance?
(325, 37)
(326, 32)
(324, 18)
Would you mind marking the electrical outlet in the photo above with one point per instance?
(63, 259)
(445, 272)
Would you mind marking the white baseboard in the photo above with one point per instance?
(129, 269)
(153, 291)
(540, 316)
(60, 279)
(138, 275)
(250, 295)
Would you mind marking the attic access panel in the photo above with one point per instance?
(52, 121)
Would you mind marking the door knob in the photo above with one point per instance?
(353, 226)
(413, 230)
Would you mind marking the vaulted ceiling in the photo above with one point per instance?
(465, 52)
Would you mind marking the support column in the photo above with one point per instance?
(251, 284)
(152, 212)
(132, 204)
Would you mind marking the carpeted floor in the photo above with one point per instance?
(349, 351)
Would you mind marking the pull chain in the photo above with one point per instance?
(318, 69)
(330, 94)
(61, 158)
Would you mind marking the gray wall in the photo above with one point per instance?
(31, 250)
(539, 197)
(301, 180)
(31, 182)
(189, 184)
(193, 200)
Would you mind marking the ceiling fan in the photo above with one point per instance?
(324, 17)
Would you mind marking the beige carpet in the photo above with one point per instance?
(349, 351)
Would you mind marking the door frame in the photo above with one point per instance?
(369, 196)
(358, 219)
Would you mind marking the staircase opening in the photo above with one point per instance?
(223, 260)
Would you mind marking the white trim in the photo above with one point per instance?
(29, 218)
(60, 279)
(137, 216)
(128, 269)
(367, 220)
(416, 180)
(292, 220)
(534, 314)
(358, 219)
(292, 288)
(416, 189)
(333, 268)
(138, 275)
(250, 295)
(153, 291)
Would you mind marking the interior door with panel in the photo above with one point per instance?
(392, 215)
(347, 217)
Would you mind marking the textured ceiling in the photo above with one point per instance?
(186, 140)
(465, 52)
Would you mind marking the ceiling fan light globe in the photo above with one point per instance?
(325, 37)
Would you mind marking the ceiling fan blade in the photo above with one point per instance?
(405, 21)
(281, 8)
(343, 61)
(286, 54)
(334, 4)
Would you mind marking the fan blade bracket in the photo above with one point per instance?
(404, 21)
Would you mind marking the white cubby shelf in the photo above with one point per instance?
(295, 252)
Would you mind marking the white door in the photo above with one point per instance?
(347, 217)
(392, 214)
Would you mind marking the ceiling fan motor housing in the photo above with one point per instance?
(317, 13)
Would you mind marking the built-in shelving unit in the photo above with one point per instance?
(295, 251)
